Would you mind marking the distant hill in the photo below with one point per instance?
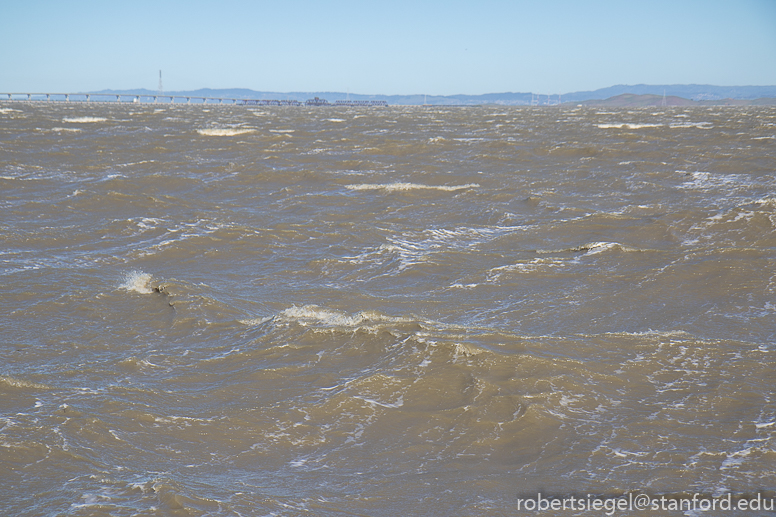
(695, 92)
(640, 94)
(629, 100)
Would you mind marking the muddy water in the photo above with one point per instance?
(427, 311)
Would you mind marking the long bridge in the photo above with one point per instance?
(127, 98)
(142, 98)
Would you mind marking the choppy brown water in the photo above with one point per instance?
(420, 311)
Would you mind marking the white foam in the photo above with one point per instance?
(735, 459)
(394, 187)
(525, 267)
(67, 129)
(312, 314)
(83, 120)
(282, 130)
(628, 126)
(252, 322)
(706, 180)
(19, 383)
(336, 119)
(399, 403)
(223, 132)
(699, 125)
(593, 248)
(137, 281)
(597, 247)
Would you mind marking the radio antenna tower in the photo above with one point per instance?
(160, 83)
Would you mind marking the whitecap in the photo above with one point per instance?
(706, 180)
(20, 383)
(399, 402)
(735, 459)
(137, 281)
(628, 126)
(252, 322)
(223, 132)
(393, 187)
(84, 120)
(313, 314)
(593, 248)
(699, 125)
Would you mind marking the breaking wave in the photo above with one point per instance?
(223, 132)
(592, 248)
(627, 126)
(84, 120)
(393, 187)
(137, 281)
(314, 315)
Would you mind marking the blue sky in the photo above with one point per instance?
(387, 47)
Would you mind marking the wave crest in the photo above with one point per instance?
(137, 281)
(592, 248)
(394, 187)
(315, 315)
(224, 132)
(84, 120)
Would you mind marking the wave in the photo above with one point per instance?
(706, 180)
(84, 120)
(20, 383)
(313, 315)
(138, 282)
(224, 132)
(536, 264)
(394, 187)
(592, 248)
(699, 125)
(627, 126)
(409, 248)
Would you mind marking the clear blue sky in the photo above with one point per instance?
(387, 47)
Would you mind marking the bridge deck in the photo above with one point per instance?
(133, 98)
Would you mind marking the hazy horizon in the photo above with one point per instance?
(431, 48)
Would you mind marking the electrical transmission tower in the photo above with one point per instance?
(160, 83)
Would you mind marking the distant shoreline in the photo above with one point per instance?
(629, 100)
(626, 100)
(691, 94)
